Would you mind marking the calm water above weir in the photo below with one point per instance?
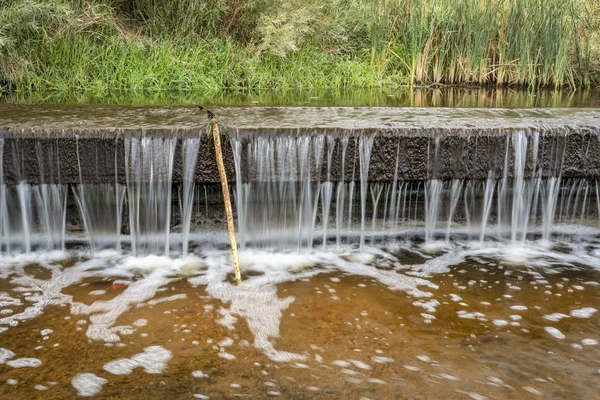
(386, 253)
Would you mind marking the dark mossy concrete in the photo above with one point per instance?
(49, 144)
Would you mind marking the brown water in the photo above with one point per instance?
(349, 325)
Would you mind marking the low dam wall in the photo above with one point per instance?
(86, 144)
(144, 179)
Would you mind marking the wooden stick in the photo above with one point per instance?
(226, 200)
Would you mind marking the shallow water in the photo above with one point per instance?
(465, 97)
(471, 321)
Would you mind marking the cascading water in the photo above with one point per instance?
(190, 157)
(290, 193)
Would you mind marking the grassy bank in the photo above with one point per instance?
(78, 46)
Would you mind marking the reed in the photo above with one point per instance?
(79, 46)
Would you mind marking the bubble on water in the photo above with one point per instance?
(141, 322)
(554, 332)
(361, 365)
(41, 388)
(348, 371)
(200, 396)
(340, 363)
(5, 355)
(226, 356)
(226, 342)
(429, 305)
(199, 374)
(88, 384)
(470, 315)
(472, 395)
(555, 317)
(412, 368)
(518, 308)
(448, 377)
(533, 391)
(120, 366)
(24, 363)
(153, 359)
(382, 360)
(585, 312)
(12, 382)
(500, 322)
(589, 342)
(424, 358)
(97, 292)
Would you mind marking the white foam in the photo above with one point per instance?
(24, 363)
(199, 374)
(448, 377)
(589, 342)
(500, 322)
(533, 391)
(120, 366)
(361, 365)
(470, 315)
(340, 363)
(153, 360)
(382, 360)
(5, 355)
(554, 332)
(518, 308)
(555, 317)
(226, 356)
(472, 395)
(141, 322)
(88, 384)
(585, 312)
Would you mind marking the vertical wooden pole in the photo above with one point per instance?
(226, 200)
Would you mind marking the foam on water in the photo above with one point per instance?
(5, 355)
(88, 384)
(24, 363)
(554, 332)
(153, 360)
(585, 312)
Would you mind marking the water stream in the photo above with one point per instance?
(358, 283)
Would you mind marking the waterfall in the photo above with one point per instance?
(365, 145)
(149, 174)
(292, 192)
(189, 151)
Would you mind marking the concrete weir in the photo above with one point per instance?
(86, 144)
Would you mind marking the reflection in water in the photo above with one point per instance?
(477, 320)
(391, 97)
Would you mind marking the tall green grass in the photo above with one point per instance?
(491, 42)
(213, 45)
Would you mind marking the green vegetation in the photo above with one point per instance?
(99, 46)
